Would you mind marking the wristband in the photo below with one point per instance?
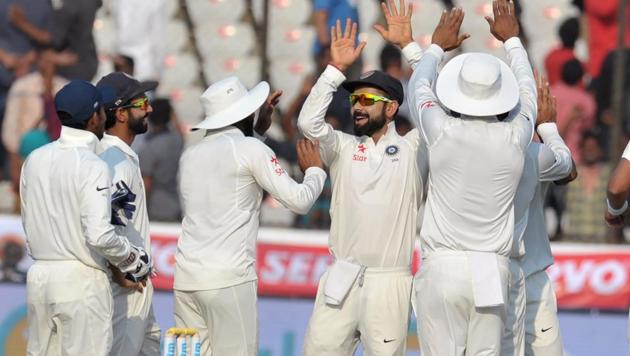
(617, 212)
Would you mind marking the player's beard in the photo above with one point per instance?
(372, 125)
(138, 125)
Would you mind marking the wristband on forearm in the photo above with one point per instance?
(617, 212)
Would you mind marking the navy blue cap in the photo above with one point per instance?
(79, 99)
(380, 80)
(124, 88)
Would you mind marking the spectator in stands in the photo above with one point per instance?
(124, 64)
(603, 86)
(325, 15)
(585, 197)
(569, 33)
(30, 107)
(141, 35)
(12, 254)
(603, 29)
(70, 34)
(391, 63)
(16, 49)
(575, 106)
(159, 163)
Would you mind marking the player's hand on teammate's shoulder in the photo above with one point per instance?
(308, 154)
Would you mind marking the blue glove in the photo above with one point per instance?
(137, 266)
(122, 201)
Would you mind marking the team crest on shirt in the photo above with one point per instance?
(391, 150)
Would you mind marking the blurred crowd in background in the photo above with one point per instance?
(187, 44)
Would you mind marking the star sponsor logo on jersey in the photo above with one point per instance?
(359, 156)
(277, 169)
(427, 105)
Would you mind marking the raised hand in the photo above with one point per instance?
(266, 110)
(398, 29)
(546, 102)
(343, 51)
(504, 25)
(446, 33)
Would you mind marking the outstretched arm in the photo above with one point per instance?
(311, 119)
(425, 110)
(504, 27)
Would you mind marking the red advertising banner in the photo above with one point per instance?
(594, 280)
(290, 263)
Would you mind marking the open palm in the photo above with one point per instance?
(398, 29)
(343, 50)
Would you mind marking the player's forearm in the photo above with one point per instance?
(311, 120)
(562, 164)
(619, 185)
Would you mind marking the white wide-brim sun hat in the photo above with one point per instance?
(228, 101)
(477, 84)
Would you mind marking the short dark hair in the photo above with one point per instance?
(67, 120)
(162, 110)
(128, 61)
(110, 117)
(569, 32)
(572, 72)
(390, 56)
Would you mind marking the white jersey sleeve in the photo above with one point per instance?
(554, 157)
(519, 63)
(95, 209)
(311, 120)
(264, 166)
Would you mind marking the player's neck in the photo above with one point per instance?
(122, 133)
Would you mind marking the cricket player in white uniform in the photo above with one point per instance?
(477, 124)
(546, 162)
(65, 196)
(135, 330)
(377, 186)
(222, 179)
(617, 197)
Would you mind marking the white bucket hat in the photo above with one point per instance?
(477, 84)
(228, 101)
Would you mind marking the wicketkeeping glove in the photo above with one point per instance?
(122, 201)
(138, 265)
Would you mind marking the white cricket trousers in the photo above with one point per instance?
(449, 324)
(135, 330)
(375, 312)
(69, 309)
(542, 327)
(226, 318)
(513, 343)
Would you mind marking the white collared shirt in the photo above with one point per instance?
(124, 166)
(475, 162)
(377, 188)
(65, 197)
(221, 181)
(543, 163)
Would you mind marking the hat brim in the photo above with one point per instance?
(144, 87)
(449, 94)
(352, 85)
(239, 110)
